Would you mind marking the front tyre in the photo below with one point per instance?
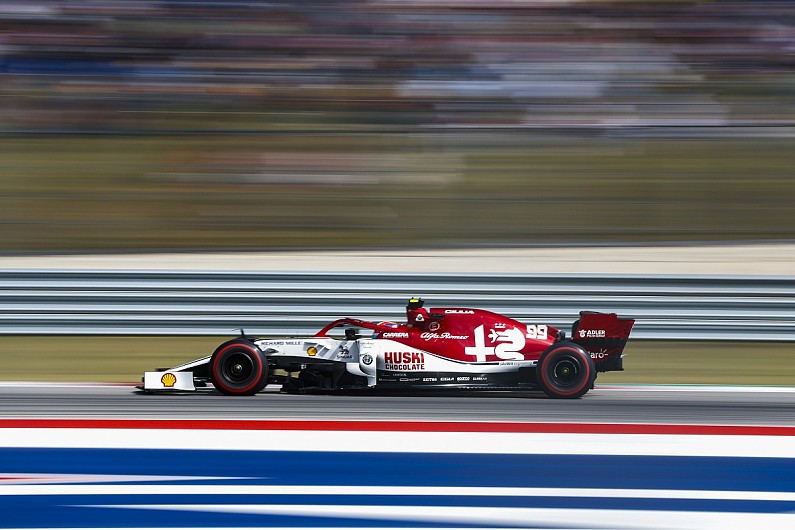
(238, 368)
(565, 371)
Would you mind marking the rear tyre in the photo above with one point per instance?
(565, 371)
(238, 368)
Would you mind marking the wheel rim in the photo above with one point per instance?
(237, 368)
(565, 372)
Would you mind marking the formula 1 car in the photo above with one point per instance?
(445, 348)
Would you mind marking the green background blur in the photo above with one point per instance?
(188, 125)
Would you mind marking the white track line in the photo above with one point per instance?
(406, 442)
(363, 491)
(527, 517)
(698, 388)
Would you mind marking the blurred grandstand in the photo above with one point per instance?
(198, 124)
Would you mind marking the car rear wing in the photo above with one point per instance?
(604, 336)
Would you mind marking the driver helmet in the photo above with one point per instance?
(415, 303)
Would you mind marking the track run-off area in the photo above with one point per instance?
(86, 456)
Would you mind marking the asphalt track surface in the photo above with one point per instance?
(605, 404)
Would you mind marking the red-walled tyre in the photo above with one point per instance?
(565, 371)
(238, 368)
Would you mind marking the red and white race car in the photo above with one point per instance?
(444, 348)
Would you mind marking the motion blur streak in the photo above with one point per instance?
(198, 124)
(393, 478)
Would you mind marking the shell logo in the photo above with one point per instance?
(168, 380)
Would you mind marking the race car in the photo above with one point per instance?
(454, 348)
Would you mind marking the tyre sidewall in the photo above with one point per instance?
(551, 357)
(252, 384)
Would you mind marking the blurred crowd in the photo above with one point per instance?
(199, 124)
(148, 66)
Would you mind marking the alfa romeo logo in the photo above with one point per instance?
(367, 358)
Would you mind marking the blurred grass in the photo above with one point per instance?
(124, 359)
(96, 358)
(723, 363)
(68, 193)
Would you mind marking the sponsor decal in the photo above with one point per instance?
(311, 351)
(480, 378)
(592, 333)
(516, 363)
(507, 345)
(463, 378)
(420, 318)
(344, 353)
(445, 335)
(394, 335)
(598, 354)
(537, 331)
(429, 379)
(367, 359)
(459, 312)
(403, 360)
(434, 326)
(168, 380)
(446, 379)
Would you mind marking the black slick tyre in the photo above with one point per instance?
(565, 371)
(238, 368)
